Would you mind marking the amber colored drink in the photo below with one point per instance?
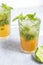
(29, 45)
(4, 30)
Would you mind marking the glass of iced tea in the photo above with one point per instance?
(29, 26)
(5, 13)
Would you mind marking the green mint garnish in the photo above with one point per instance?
(31, 16)
(27, 36)
(6, 7)
(2, 23)
(27, 16)
(24, 33)
(21, 17)
(5, 15)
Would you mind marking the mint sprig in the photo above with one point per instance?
(21, 17)
(6, 7)
(31, 16)
(2, 23)
(27, 16)
(24, 32)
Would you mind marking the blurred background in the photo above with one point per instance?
(22, 3)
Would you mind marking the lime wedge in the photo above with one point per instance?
(39, 54)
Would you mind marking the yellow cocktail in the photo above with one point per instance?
(29, 26)
(5, 12)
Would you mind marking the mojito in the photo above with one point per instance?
(5, 12)
(29, 26)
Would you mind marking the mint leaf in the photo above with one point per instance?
(15, 18)
(6, 7)
(20, 17)
(31, 16)
(2, 23)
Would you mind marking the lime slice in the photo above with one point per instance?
(39, 54)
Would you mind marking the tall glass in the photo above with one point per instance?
(4, 22)
(29, 32)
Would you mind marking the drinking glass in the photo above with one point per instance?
(5, 15)
(29, 34)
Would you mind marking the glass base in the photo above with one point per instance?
(27, 52)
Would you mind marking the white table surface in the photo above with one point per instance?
(10, 52)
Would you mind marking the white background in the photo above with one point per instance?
(10, 52)
(22, 3)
